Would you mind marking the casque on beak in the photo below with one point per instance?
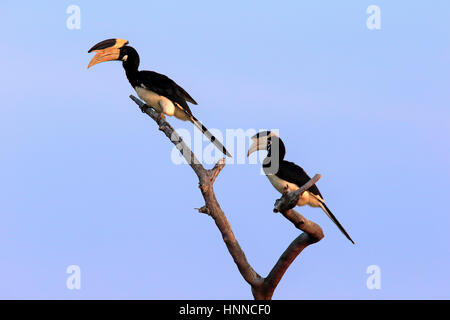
(258, 144)
(107, 50)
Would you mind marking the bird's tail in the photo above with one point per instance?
(333, 218)
(209, 135)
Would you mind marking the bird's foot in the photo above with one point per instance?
(162, 116)
(144, 108)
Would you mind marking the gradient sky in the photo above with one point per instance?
(87, 180)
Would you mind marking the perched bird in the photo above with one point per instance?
(285, 175)
(157, 90)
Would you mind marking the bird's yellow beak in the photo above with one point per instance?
(107, 50)
(258, 144)
(109, 54)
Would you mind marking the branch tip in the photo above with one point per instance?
(204, 210)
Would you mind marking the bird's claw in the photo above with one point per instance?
(143, 108)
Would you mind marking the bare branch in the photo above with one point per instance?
(204, 210)
(214, 172)
(262, 288)
(312, 233)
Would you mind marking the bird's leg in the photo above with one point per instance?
(285, 192)
(144, 108)
(161, 117)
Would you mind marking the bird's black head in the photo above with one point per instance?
(130, 58)
(114, 49)
(270, 141)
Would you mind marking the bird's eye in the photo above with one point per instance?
(125, 57)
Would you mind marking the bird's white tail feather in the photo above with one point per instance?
(209, 135)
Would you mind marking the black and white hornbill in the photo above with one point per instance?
(157, 90)
(287, 175)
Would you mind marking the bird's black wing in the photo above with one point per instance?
(293, 173)
(166, 87)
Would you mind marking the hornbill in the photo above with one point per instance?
(287, 176)
(157, 90)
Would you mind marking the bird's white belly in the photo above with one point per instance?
(280, 185)
(154, 100)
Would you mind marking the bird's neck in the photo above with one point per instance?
(131, 70)
(275, 155)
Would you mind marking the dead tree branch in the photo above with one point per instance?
(262, 288)
(312, 233)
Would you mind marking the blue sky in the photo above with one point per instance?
(87, 179)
